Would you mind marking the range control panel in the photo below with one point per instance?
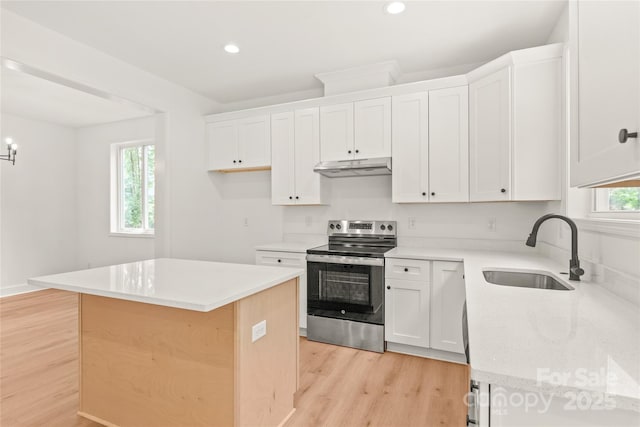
(343, 227)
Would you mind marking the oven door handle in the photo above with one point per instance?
(337, 259)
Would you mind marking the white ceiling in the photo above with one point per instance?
(283, 44)
(40, 99)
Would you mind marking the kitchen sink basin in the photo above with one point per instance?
(524, 280)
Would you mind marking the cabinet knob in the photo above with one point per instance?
(406, 269)
(357, 151)
(388, 287)
(433, 193)
(290, 197)
(624, 134)
(424, 193)
(297, 197)
(503, 190)
(234, 161)
(349, 151)
(239, 161)
(279, 260)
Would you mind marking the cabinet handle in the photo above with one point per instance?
(503, 190)
(433, 193)
(625, 134)
(388, 287)
(424, 193)
(406, 269)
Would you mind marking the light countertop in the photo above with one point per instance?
(296, 247)
(561, 342)
(186, 284)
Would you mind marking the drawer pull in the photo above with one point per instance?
(406, 269)
(279, 260)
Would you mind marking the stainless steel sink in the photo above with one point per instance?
(524, 280)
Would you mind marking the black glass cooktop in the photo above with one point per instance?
(350, 250)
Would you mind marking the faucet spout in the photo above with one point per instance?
(574, 263)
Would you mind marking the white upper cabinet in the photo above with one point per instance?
(372, 128)
(240, 144)
(490, 137)
(336, 132)
(606, 71)
(356, 130)
(410, 177)
(295, 139)
(449, 145)
(282, 158)
(430, 146)
(515, 133)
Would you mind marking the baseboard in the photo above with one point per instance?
(18, 289)
(429, 353)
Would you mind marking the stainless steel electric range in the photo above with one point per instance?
(345, 284)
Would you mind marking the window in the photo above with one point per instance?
(132, 188)
(617, 202)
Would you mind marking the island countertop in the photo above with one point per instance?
(187, 284)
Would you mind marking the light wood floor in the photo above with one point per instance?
(339, 386)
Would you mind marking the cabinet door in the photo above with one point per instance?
(410, 148)
(490, 137)
(254, 142)
(449, 145)
(608, 93)
(447, 299)
(307, 155)
(406, 312)
(372, 120)
(282, 159)
(336, 132)
(293, 260)
(223, 145)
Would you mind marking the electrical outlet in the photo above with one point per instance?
(258, 330)
(245, 222)
(412, 223)
(491, 224)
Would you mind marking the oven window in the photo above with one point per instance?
(344, 286)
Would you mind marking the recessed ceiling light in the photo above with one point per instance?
(231, 48)
(395, 7)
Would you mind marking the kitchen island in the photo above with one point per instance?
(178, 342)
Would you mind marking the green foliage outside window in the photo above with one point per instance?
(138, 166)
(624, 199)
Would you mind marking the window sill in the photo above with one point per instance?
(621, 227)
(140, 235)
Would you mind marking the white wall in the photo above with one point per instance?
(38, 228)
(95, 246)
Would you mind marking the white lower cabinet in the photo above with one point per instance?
(406, 316)
(294, 260)
(423, 304)
(447, 299)
(511, 407)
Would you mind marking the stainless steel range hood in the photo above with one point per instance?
(363, 167)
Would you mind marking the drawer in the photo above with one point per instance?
(284, 259)
(407, 269)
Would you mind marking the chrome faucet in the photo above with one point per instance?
(574, 263)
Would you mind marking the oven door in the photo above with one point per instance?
(344, 284)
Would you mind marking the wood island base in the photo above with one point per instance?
(151, 365)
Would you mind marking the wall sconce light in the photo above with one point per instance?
(12, 150)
